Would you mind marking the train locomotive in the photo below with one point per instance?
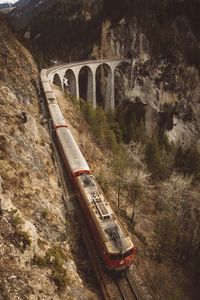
(112, 241)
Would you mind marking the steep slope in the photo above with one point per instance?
(166, 280)
(163, 42)
(5, 5)
(73, 26)
(25, 10)
(161, 39)
(38, 258)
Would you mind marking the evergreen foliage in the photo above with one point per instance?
(119, 164)
(189, 162)
(135, 193)
(153, 159)
(103, 130)
(131, 123)
(160, 155)
(55, 259)
(59, 25)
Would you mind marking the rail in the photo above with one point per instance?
(127, 287)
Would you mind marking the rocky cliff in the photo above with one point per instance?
(161, 39)
(168, 88)
(37, 255)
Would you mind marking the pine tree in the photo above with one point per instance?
(119, 165)
(153, 159)
(88, 111)
(131, 129)
(100, 125)
(135, 193)
(179, 159)
(192, 161)
(139, 135)
(111, 141)
(118, 132)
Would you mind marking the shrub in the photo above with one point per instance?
(16, 220)
(45, 213)
(40, 261)
(101, 125)
(59, 276)
(54, 259)
(21, 239)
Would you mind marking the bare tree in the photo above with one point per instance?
(179, 222)
(135, 193)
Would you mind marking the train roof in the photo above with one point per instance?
(56, 115)
(51, 97)
(115, 238)
(43, 75)
(46, 86)
(71, 151)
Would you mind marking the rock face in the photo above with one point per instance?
(161, 85)
(23, 12)
(36, 259)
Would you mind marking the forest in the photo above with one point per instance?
(144, 164)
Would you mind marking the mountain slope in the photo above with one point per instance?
(5, 5)
(38, 258)
(24, 11)
(66, 31)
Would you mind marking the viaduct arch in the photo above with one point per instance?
(72, 73)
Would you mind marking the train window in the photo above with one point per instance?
(106, 217)
(128, 253)
(121, 256)
(113, 257)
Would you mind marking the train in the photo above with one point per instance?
(114, 245)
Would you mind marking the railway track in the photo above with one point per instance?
(127, 288)
(120, 287)
(113, 287)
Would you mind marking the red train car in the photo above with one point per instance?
(113, 242)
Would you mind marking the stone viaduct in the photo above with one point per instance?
(71, 72)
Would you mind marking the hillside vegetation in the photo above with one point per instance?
(38, 257)
(157, 202)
